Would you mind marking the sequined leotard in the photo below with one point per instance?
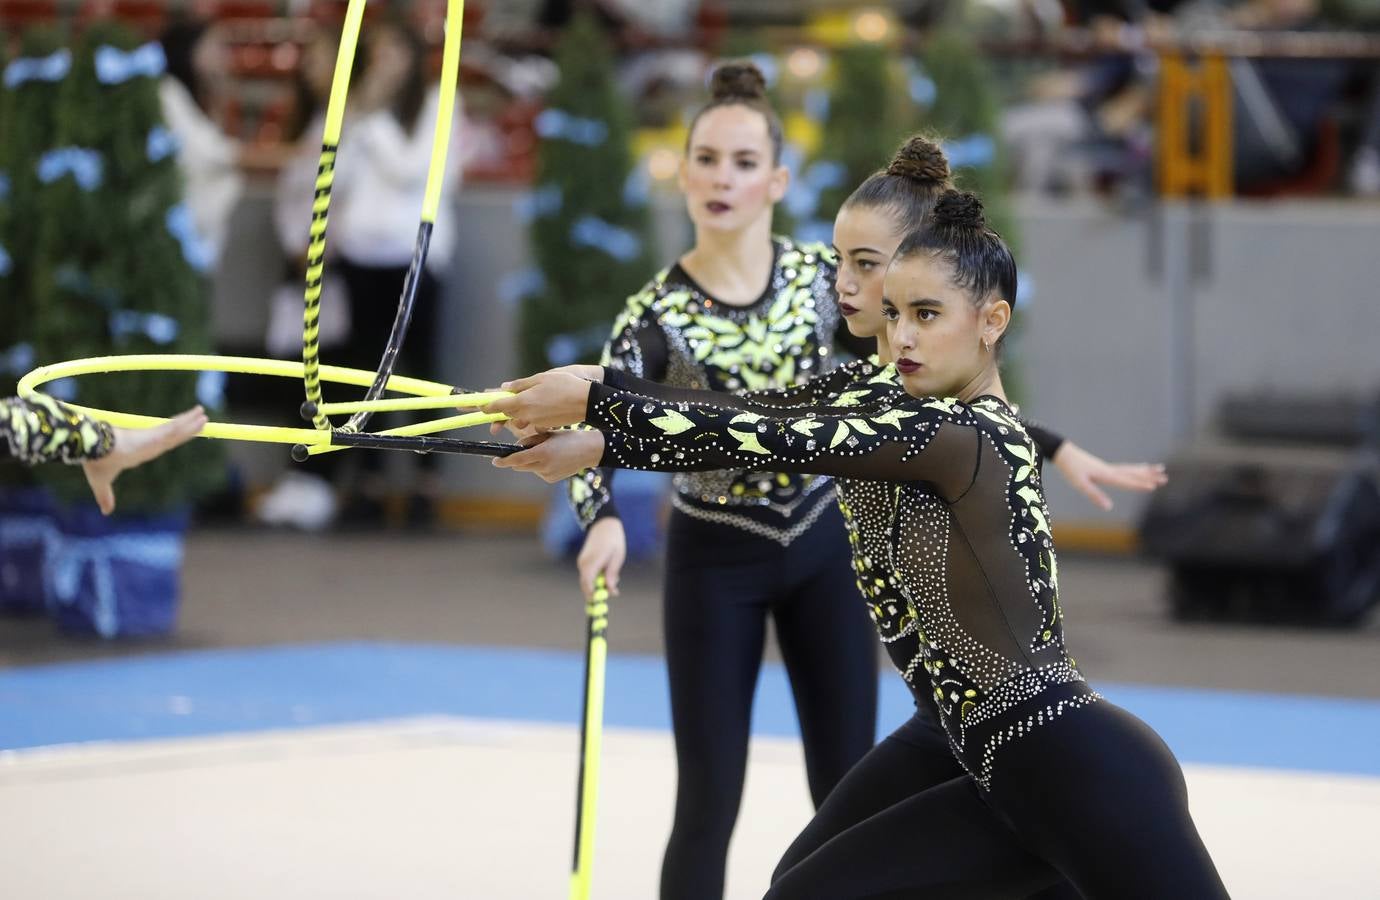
(41, 429)
(861, 384)
(674, 333)
(956, 506)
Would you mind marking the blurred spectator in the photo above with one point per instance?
(1089, 123)
(1094, 120)
(1281, 104)
(1081, 125)
(197, 76)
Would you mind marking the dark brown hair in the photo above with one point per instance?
(740, 83)
(957, 232)
(909, 186)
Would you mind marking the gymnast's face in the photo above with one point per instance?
(391, 59)
(935, 330)
(864, 241)
(211, 57)
(318, 64)
(729, 177)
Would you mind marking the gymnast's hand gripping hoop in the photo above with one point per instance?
(315, 409)
(591, 739)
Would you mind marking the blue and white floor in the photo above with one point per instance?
(392, 770)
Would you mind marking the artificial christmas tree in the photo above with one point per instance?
(867, 120)
(118, 270)
(29, 89)
(965, 110)
(589, 233)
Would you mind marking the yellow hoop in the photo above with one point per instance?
(424, 395)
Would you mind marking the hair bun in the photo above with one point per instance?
(959, 209)
(920, 160)
(739, 80)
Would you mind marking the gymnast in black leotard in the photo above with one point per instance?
(1084, 787)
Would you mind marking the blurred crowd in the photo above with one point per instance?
(1300, 125)
(1079, 76)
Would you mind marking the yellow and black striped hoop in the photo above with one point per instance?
(315, 409)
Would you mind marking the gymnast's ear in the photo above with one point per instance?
(780, 181)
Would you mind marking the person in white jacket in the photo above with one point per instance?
(211, 161)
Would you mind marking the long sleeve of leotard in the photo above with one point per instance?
(819, 390)
(908, 440)
(1046, 441)
(41, 429)
(638, 347)
(845, 386)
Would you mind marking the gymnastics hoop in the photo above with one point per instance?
(591, 739)
(315, 408)
(323, 438)
(305, 441)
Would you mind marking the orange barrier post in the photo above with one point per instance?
(1184, 89)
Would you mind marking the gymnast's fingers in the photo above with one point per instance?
(1090, 490)
(1133, 477)
(104, 492)
(524, 460)
(515, 408)
(178, 430)
(518, 385)
(504, 405)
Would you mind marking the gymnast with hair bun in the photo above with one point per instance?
(1056, 781)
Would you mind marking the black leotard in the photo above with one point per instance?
(962, 520)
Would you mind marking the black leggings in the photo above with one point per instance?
(1093, 795)
(721, 585)
(916, 757)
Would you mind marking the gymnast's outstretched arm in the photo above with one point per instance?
(40, 429)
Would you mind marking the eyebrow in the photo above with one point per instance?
(926, 301)
(741, 151)
(855, 251)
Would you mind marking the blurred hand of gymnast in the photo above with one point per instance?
(1086, 471)
(603, 553)
(136, 446)
(547, 400)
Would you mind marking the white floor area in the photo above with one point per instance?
(438, 808)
